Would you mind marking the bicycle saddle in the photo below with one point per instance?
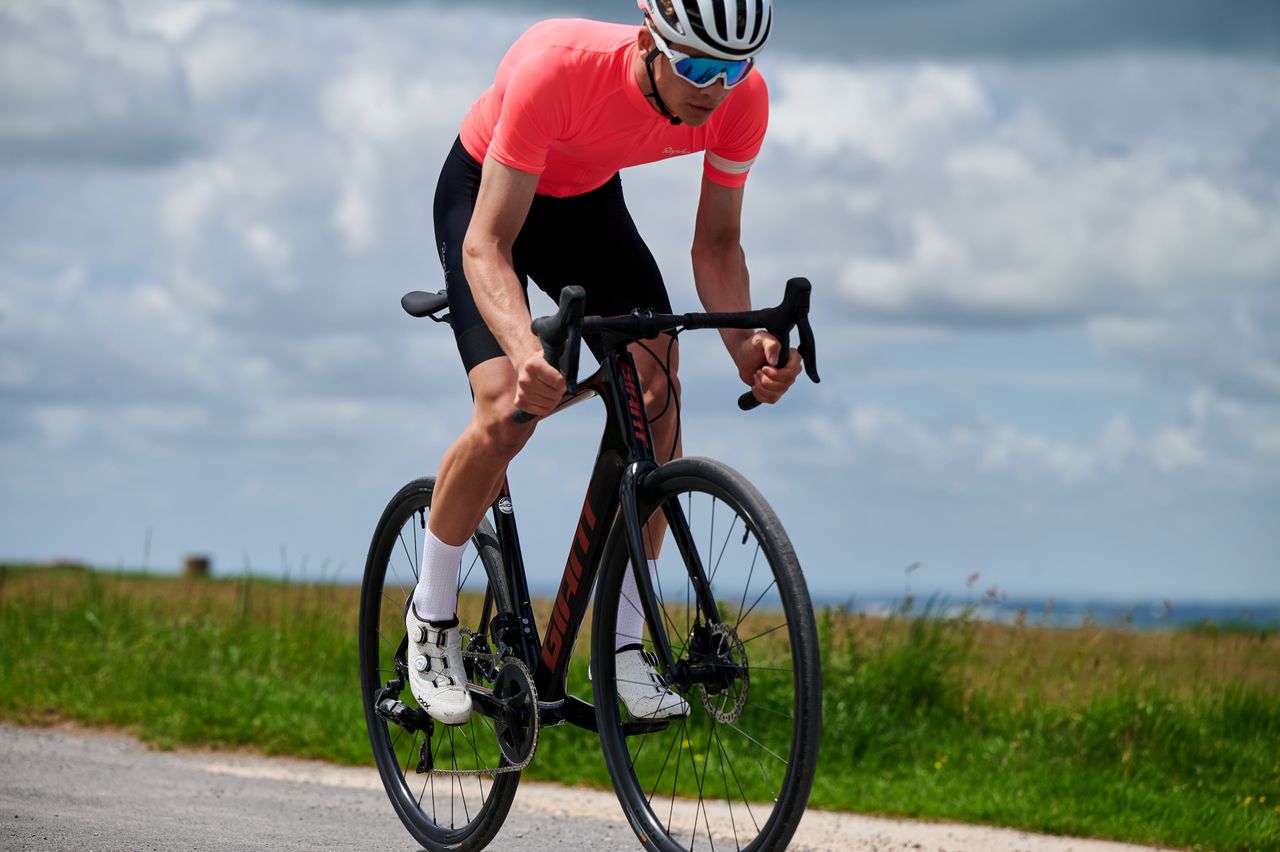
(420, 303)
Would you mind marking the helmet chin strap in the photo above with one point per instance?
(653, 83)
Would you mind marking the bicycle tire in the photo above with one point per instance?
(742, 715)
(391, 570)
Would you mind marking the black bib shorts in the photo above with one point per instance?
(589, 240)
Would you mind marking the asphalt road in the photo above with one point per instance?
(73, 789)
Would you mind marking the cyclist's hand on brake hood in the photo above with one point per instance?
(756, 357)
(539, 386)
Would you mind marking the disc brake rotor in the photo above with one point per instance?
(725, 704)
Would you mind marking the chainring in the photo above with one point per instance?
(517, 727)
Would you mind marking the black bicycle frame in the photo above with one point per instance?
(609, 519)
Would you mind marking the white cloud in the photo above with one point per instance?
(882, 116)
(1211, 441)
(78, 81)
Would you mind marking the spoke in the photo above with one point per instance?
(412, 748)
(762, 746)
(723, 547)
(684, 735)
(425, 782)
(661, 601)
(657, 577)
(764, 632)
(706, 767)
(391, 600)
(431, 777)
(763, 774)
(733, 823)
(397, 580)
(417, 549)
(471, 741)
(746, 587)
(453, 759)
(470, 568)
(662, 770)
(461, 791)
(711, 534)
(413, 563)
(736, 780)
(769, 709)
(756, 602)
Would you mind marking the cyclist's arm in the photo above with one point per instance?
(720, 274)
(501, 206)
(719, 264)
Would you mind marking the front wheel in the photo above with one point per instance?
(737, 770)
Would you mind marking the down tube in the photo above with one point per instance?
(585, 552)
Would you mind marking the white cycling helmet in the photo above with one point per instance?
(726, 29)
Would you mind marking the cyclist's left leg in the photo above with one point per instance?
(592, 241)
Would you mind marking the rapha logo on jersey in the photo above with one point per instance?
(504, 505)
(671, 152)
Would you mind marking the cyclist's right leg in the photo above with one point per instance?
(472, 469)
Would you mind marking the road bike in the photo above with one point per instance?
(729, 625)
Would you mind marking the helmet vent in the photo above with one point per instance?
(722, 25)
(755, 32)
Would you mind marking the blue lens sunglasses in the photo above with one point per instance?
(702, 71)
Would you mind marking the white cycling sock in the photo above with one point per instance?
(435, 598)
(630, 613)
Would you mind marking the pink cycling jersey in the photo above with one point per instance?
(565, 105)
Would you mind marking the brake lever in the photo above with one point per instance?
(795, 312)
(569, 359)
(808, 349)
(561, 336)
(782, 333)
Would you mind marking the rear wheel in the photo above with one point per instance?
(737, 771)
(441, 811)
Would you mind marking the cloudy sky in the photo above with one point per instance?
(1045, 245)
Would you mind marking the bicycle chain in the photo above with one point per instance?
(533, 749)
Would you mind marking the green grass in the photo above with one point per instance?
(1169, 738)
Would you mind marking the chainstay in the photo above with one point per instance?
(533, 749)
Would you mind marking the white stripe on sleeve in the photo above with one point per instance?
(729, 167)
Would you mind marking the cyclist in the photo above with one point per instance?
(531, 190)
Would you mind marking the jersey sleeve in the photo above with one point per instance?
(731, 154)
(533, 113)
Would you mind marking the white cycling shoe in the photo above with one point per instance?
(642, 690)
(436, 676)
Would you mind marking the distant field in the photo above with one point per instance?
(1166, 738)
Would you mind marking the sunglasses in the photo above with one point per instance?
(702, 71)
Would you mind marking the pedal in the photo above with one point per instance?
(398, 713)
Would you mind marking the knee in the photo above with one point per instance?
(662, 397)
(500, 436)
(660, 388)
